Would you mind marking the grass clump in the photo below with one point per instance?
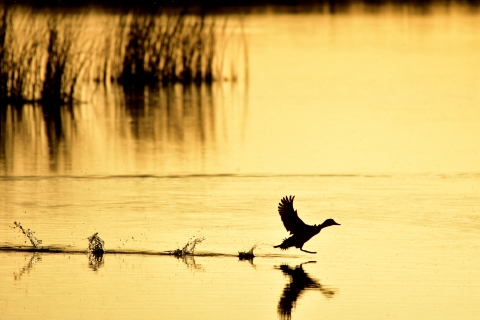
(169, 48)
(41, 58)
(19, 59)
(63, 66)
(48, 57)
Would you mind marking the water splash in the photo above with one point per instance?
(247, 255)
(29, 234)
(96, 244)
(95, 260)
(189, 248)
(26, 269)
(189, 261)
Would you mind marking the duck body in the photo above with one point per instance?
(300, 231)
(297, 240)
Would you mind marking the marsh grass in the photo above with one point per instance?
(40, 60)
(64, 62)
(19, 59)
(169, 48)
(44, 57)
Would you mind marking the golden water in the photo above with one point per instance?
(370, 119)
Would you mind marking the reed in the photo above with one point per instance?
(169, 49)
(37, 62)
(47, 60)
(3, 54)
(58, 53)
(64, 62)
(19, 57)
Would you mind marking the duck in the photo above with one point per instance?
(299, 230)
(299, 282)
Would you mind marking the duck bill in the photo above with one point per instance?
(337, 224)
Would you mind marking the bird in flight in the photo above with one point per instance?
(300, 231)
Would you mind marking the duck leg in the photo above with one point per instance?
(307, 251)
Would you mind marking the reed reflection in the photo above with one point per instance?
(37, 136)
(171, 113)
(58, 127)
(299, 282)
(151, 124)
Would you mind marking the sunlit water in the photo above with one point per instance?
(370, 119)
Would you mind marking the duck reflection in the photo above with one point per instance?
(95, 260)
(299, 282)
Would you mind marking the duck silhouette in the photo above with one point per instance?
(299, 282)
(299, 230)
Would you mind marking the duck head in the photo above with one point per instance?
(328, 223)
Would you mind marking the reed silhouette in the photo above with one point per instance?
(299, 282)
(47, 61)
(169, 48)
(234, 6)
(300, 231)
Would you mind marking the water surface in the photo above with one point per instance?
(370, 119)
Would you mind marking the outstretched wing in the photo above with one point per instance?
(290, 218)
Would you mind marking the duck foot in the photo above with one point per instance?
(308, 251)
